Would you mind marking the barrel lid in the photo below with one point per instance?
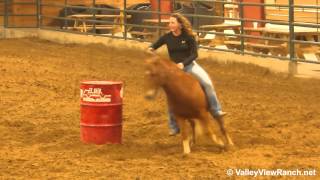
(94, 82)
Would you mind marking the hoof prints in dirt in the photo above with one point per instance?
(273, 119)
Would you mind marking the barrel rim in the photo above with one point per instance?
(101, 82)
(102, 125)
(92, 104)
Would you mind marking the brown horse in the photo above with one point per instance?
(186, 100)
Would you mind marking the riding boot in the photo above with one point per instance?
(151, 94)
(218, 115)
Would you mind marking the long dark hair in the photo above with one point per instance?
(185, 23)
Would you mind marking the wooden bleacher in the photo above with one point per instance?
(265, 48)
(204, 41)
(234, 44)
(139, 33)
(304, 15)
(90, 27)
(257, 47)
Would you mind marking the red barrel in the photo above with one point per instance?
(165, 7)
(101, 112)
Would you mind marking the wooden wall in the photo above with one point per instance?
(305, 15)
(1, 13)
(300, 16)
(26, 9)
(297, 2)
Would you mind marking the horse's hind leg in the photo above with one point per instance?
(207, 122)
(193, 126)
(224, 131)
(185, 134)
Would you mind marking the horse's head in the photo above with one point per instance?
(156, 71)
(156, 75)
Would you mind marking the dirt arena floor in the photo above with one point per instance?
(274, 119)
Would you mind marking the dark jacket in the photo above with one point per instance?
(182, 48)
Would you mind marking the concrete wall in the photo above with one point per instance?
(67, 38)
(1, 32)
(18, 32)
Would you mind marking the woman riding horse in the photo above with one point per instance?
(182, 48)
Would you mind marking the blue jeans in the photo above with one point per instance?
(214, 106)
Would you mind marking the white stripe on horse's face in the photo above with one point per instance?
(156, 71)
(147, 72)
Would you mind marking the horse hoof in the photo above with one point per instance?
(192, 143)
(229, 147)
(186, 151)
(150, 98)
(220, 143)
(185, 156)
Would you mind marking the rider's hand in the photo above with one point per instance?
(150, 50)
(180, 65)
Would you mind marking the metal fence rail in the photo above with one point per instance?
(130, 23)
(2, 12)
(12, 19)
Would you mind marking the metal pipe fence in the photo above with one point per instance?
(289, 36)
(10, 17)
(3, 10)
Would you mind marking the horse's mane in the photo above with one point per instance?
(167, 62)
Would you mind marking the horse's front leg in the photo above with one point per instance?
(185, 134)
(208, 123)
(193, 129)
(224, 131)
